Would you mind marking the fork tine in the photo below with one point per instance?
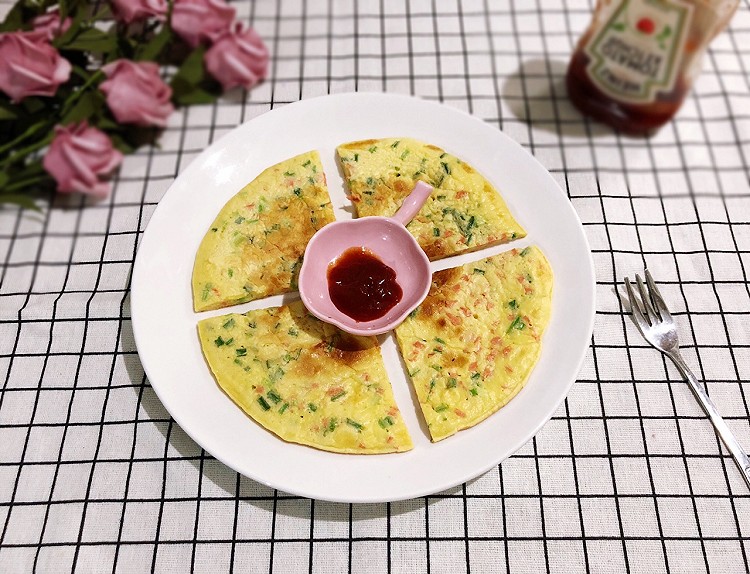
(650, 313)
(640, 320)
(657, 298)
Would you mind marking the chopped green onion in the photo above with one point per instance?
(332, 424)
(354, 424)
(240, 352)
(479, 271)
(452, 382)
(512, 304)
(474, 391)
(439, 340)
(395, 144)
(312, 407)
(373, 149)
(356, 157)
(219, 341)
(273, 396)
(446, 167)
(284, 407)
(264, 404)
(517, 324)
(475, 376)
(289, 173)
(525, 252)
(337, 396)
(385, 422)
(229, 324)
(441, 408)
(435, 232)
(297, 192)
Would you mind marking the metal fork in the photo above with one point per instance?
(656, 325)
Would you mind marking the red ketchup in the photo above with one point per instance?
(361, 286)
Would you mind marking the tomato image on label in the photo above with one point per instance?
(646, 26)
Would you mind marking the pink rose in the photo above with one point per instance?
(238, 58)
(129, 11)
(49, 26)
(30, 66)
(136, 94)
(197, 21)
(78, 158)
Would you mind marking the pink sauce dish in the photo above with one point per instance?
(385, 238)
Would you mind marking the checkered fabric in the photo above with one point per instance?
(628, 476)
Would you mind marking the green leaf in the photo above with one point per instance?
(19, 199)
(195, 95)
(152, 49)
(88, 105)
(91, 40)
(33, 105)
(122, 144)
(192, 70)
(15, 18)
(192, 84)
(8, 112)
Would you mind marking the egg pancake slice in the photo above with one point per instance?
(464, 213)
(254, 247)
(305, 380)
(471, 345)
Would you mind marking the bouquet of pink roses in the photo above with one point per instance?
(81, 84)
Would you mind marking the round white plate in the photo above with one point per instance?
(165, 324)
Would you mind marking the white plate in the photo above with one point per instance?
(165, 324)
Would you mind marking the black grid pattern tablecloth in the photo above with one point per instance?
(628, 476)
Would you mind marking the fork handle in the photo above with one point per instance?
(725, 433)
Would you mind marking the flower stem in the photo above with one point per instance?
(45, 125)
(31, 148)
(75, 96)
(24, 182)
(24, 136)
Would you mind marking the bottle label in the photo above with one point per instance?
(636, 54)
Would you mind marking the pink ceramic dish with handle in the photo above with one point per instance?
(385, 237)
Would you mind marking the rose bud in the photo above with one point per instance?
(197, 21)
(30, 66)
(238, 58)
(79, 157)
(136, 94)
(129, 11)
(49, 26)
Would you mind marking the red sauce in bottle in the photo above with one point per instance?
(638, 59)
(631, 119)
(361, 286)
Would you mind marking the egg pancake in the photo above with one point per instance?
(464, 213)
(471, 345)
(305, 380)
(255, 245)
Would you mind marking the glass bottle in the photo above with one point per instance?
(637, 60)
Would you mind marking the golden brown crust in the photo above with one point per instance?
(463, 214)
